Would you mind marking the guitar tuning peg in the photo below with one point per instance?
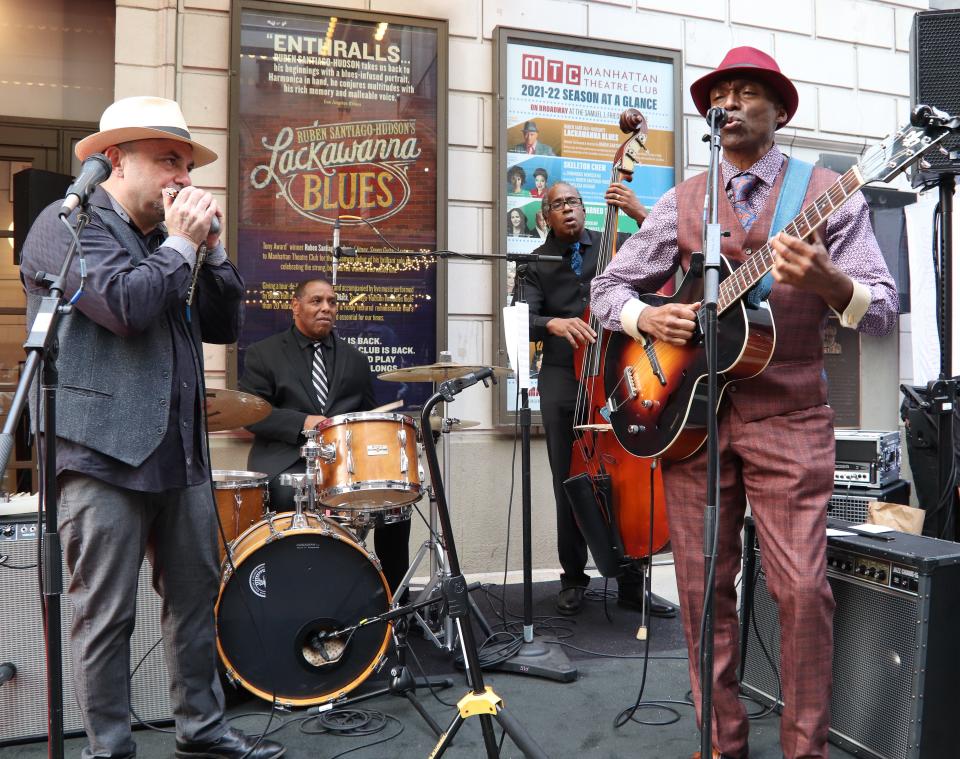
(943, 150)
(924, 164)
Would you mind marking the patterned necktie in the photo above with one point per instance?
(576, 260)
(319, 375)
(741, 185)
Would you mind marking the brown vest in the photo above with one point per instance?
(794, 379)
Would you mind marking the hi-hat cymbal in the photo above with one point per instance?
(441, 424)
(440, 372)
(231, 409)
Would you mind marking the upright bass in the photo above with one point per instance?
(617, 498)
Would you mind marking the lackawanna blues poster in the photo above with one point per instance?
(339, 119)
(562, 120)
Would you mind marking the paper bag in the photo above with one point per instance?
(896, 516)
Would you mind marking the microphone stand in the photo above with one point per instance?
(481, 701)
(534, 657)
(42, 347)
(711, 291)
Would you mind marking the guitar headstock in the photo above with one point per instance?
(884, 161)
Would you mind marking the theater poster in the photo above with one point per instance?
(340, 115)
(559, 121)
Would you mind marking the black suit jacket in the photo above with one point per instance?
(278, 370)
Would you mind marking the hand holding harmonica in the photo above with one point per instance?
(192, 213)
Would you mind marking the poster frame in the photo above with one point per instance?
(504, 419)
(441, 27)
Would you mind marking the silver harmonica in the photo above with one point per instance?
(172, 193)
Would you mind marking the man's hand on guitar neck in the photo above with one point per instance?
(575, 331)
(807, 266)
(673, 323)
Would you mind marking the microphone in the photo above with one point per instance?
(336, 249)
(717, 117)
(8, 671)
(456, 385)
(215, 226)
(95, 169)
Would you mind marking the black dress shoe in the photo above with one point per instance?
(233, 745)
(570, 600)
(629, 598)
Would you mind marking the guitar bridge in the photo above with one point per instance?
(630, 383)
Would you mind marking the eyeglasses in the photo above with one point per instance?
(559, 203)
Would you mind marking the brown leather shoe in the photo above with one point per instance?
(713, 754)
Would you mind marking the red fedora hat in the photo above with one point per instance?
(747, 63)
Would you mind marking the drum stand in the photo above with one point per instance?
(445, 637)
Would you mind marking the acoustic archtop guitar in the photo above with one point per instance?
(657, 392)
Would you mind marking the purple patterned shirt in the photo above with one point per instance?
(650, 257)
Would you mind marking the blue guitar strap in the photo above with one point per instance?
(789, 204)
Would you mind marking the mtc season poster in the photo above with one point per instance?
(339, 120)
(563, 111)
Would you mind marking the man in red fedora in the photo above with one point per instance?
(776, 439)
(133, 466)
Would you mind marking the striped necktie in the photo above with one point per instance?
(319, 375)
(741, 185)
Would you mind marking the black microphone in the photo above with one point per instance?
(215, 226)
(8, 671)
(95, 169)
(717, 117)
(456, 385)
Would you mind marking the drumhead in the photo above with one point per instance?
(224, 479)
(365, 416)
(291, 587)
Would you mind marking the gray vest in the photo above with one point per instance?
(114, 392)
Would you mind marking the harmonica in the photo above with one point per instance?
(172, 192)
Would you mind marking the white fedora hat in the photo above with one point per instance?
(142, 118)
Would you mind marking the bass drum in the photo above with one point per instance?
(290, 584)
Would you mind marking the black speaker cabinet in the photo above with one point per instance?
(895, 633)
(33, 190)
(850, 503)
(23, 703)
(935, 76)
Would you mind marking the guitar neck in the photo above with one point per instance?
(757, 265)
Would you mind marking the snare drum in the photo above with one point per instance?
(243, 499)
(376, 467)
(292, 583)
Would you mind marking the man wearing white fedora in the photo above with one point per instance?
(132, 462)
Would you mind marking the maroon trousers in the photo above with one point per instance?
(782, 465)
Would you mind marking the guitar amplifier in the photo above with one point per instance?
(23, 702)
(868, 458)
(850, 503)
(895, 629)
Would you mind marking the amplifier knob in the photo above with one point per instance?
(872, 572)
(861, 569)
(882, 575)
(7, 531)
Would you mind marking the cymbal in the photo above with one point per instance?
(231, 409)
(437, 423)
(438, 372)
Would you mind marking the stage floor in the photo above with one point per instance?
(566, 719)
